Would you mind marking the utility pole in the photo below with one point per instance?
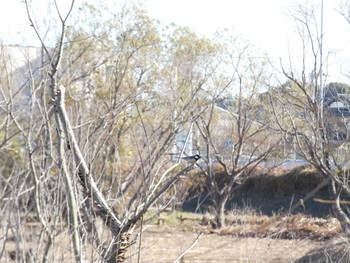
(321, 66)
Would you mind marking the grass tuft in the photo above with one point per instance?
(246, 224)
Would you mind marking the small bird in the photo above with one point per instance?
(191, 159)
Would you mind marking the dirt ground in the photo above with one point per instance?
(165, 244)
(247, 238)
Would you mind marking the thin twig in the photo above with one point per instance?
(140, 242)
(310, 194)
(189, 248)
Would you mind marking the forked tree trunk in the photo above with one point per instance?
(337, 210)
(220, 204)
(111, 257)
(124, 243)
(118, 247)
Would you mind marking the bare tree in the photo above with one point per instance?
(302, 112)
(236, 136)
(99, 127)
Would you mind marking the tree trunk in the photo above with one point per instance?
(124, 243)
(220, 204)
(337, 210)
(111, 256)
(119, 245)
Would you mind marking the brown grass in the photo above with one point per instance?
(296, 227)
(336, 251)
(248, 237)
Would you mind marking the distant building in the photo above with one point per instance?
(337, 110)
(22, 62)
(21, 66)
(189, 141)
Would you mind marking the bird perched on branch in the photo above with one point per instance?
(191, 159)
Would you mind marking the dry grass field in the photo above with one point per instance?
(247, 238)
(165, 245)
(311, 235)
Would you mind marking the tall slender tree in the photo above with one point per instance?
(302, 112)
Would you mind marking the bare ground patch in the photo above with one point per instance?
(166, 244)
(248, 237)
